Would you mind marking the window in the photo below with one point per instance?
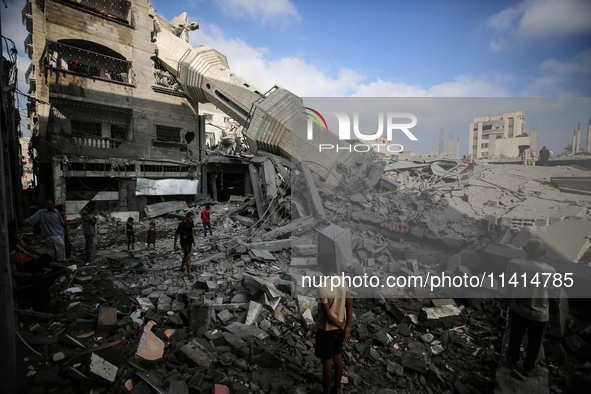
(208, 117)
(85, 128)
(226, 119)
(168, 134)
(118, 132)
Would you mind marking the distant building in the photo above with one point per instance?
(500, 136)
(106, 115)
(27, 163)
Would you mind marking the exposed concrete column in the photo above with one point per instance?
(533, 140)
(450, 147)
(442, 142)
(578, 138)
(506, 128)
(478, 141)
(492, 146)
(588, 148)
(59, 182)
(458, 148)
(574, 144)
(470, 139)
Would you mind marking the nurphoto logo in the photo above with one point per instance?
(392, 123)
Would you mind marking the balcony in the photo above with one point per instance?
(116, 10)
(27, 15)
(83, 62)
(96, 142)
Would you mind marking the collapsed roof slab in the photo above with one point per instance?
(566, 241)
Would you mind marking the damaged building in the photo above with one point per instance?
(500, 136)
(105, 115)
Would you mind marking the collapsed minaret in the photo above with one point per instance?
(273, 121)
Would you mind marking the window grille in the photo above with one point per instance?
(168, 134)
(80, 61)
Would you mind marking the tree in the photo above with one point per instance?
(568, 148)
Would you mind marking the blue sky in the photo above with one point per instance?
(531, 48)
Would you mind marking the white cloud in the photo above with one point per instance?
(539, 19)
(295, 74)
(307, 80)
(461, 86)
(571, 77)
(272, 12)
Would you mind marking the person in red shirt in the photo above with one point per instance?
(206, 219)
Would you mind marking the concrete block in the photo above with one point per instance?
(193, 352)
(414, 360)
(254, 308)
(334, 243)
(541, 222)
(234, 341)
(523, 236)
(243, 330)
(101, 370)
(107, 320)
(178, 387)
(200, 319)
(441, 312)
(225, 316)
(122, 216)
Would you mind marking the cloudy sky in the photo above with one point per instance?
(530, 48)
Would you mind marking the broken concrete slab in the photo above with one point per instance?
(101, 370)
(441, 312)
(163, 208)
(193, 352)
(149, 347)
(200, 319)
(334, 244)
(243, 331)
(107, 320)
(254, 308)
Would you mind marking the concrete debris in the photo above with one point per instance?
(246, 319)
(150, 347)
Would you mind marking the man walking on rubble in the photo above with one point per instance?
(529, 305)
(185, 231)
(89, 220)
(335, 311)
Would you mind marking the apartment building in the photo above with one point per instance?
(500, 136)
(109, 121)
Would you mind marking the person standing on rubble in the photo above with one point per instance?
(335, 312)
(185, 231)
(130, 234)
(206, 219)
(529, 307)
(88, 229)
(544, 156)
(52, 224)
(528, 155)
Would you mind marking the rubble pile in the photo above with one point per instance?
(132, 322)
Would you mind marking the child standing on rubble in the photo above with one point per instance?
(206, 219)
(151, 235)
(130, 234)
(335, 312)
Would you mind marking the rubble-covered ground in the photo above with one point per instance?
(132, 322)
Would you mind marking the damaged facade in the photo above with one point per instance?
(105, 113)
(500, 136)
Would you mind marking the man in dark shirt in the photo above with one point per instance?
(185, 231)
(544, 156)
